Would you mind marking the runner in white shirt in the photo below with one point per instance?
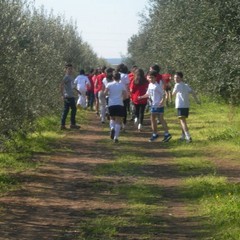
(156, 94)
(82, 82)
(182, 91)
(101, 95)
(116, 93)
(124, 79)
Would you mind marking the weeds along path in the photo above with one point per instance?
(91, 188)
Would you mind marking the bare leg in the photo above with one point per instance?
(164, 123)
(118, 121)
(184, 126)
(154, 123)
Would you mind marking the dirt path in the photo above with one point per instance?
(62, 193)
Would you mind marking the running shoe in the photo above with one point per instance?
(74, 127)
(167, 138)
(135, 120)
(153, 138)
(63, 127)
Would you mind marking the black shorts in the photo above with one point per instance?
(168, 88)
(116, 111)
(182, 112)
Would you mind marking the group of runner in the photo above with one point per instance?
(114, 93)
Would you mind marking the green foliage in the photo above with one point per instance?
(126, 164)
(34, 46)
(219, 202)
(197, 187)
(7, 182)
(100, 228)
(224, 212)
(18, 147)
(209, 163)
(200, 38)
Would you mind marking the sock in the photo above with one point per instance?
(112, 124)
(117, 130)
(187, 134)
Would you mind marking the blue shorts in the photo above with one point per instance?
(182, 112)
(157, 110)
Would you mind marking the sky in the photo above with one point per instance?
(106, 25)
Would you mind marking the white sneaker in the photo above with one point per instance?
(102, 119)
(189, 140)
(135, 120)
(139, 127)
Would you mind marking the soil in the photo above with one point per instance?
(58, 196)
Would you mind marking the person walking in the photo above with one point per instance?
(95, 87)
(156, 93)
(159, 80)
(90, 91)
(98, 87)
(138, 87)
(67, 93)
(82, 82)
(182, 90)
(106, 80)
(166, 77)
(116, 92)
(123, 70)
(131, 78)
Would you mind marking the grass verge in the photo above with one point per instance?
(210, 160)
(18, 150)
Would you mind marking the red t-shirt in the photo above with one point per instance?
(138, 90)
(159, 78)
(166, 80)
(131, 77)
(166, 77)
(90, 88)
(98, 82)
(94, 78)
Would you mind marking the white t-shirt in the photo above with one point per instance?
(82, 81)
(105, 82)
(115, 93)
(155, 92)
(182, 91)
(125, 81)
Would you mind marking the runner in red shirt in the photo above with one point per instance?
(90, 90)
(131, 78)
(167, 83)
(138, 87)
(159, 79)
(98, 88)
(94, 78)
